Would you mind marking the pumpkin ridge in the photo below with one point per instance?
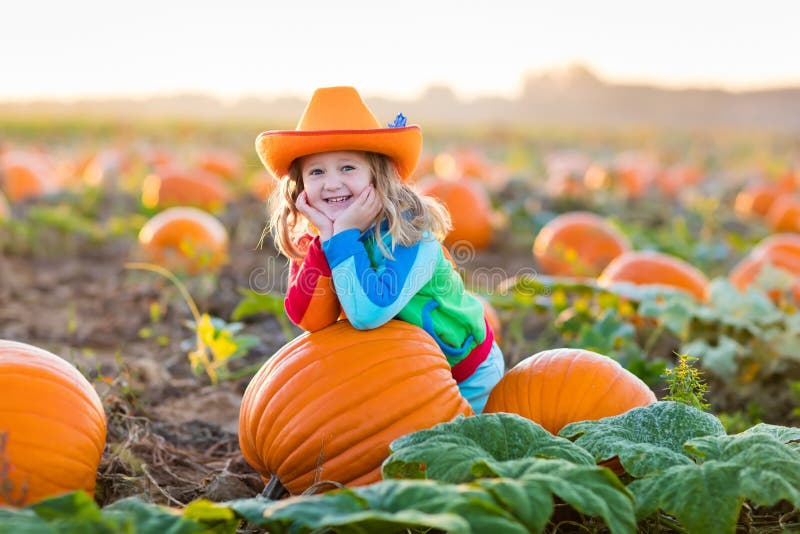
(597, 370)
(574, 362)
(31, 470)
(35, 446)
(282, 417)
(54, 422)
(605, 396)
(82, 401)
(378, 390)
(62, 379)
(361, 435)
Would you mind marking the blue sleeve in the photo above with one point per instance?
(372, 296)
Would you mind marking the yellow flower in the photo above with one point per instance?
(223, 346)
(205, 330)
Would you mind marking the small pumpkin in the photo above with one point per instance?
(172, 187)
(560, 386)
(262, 184)
(53, 422)
(784, 214)
(185, 239)
(469, 207)
(223, 163)
(26, 175)
(328, 403)
(578, 243)
(655, 268)
(779, 255)
(756, 199)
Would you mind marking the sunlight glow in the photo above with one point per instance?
(89, 48)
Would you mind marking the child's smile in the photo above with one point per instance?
(333, 180)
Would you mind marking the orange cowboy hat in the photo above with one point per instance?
(336, 118)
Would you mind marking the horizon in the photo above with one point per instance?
(89, 50)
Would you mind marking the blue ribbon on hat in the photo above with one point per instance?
(399, 121)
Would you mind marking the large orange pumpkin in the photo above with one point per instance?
(327, 404)
(655, 268)
(53, 422)
(469, 207)
(578, 244)
(560, 386)
(173, 187)
(185, 239)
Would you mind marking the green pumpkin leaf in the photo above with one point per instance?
(646, 439)
(487, 505)
(707, 497)
(77, 513)
(388, 506)
(784, 434)
(589, 489)
(134, 515)
(448, 451)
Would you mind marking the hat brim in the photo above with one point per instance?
(279, 148)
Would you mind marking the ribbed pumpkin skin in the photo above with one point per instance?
(578, 244)
(560, 386)
(469, 207)
(655, 268)
(54, 421)
(185, 239)
(337, 397)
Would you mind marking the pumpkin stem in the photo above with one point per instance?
(274, 490)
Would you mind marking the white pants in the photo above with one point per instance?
(477, 387)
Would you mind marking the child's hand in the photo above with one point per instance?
(317, 218)
(361, 213)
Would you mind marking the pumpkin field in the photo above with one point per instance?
(643, 286)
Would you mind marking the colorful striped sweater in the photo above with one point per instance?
(348, 276)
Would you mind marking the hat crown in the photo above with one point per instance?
(337, 108)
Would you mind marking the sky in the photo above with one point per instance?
(234, 48)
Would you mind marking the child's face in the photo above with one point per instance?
(333, 180)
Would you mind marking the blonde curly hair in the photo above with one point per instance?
(408, 214)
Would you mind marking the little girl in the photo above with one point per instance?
(362, 244)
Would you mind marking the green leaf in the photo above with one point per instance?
(77, 506)
(673, 310)
(255, 303)
(784, 434)
(77, 513)
(707, 497)
(388, 506)
(589, 489)
(487, 505)
(208, 511)
(22, 522)
(646, 439)
(448, 451)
